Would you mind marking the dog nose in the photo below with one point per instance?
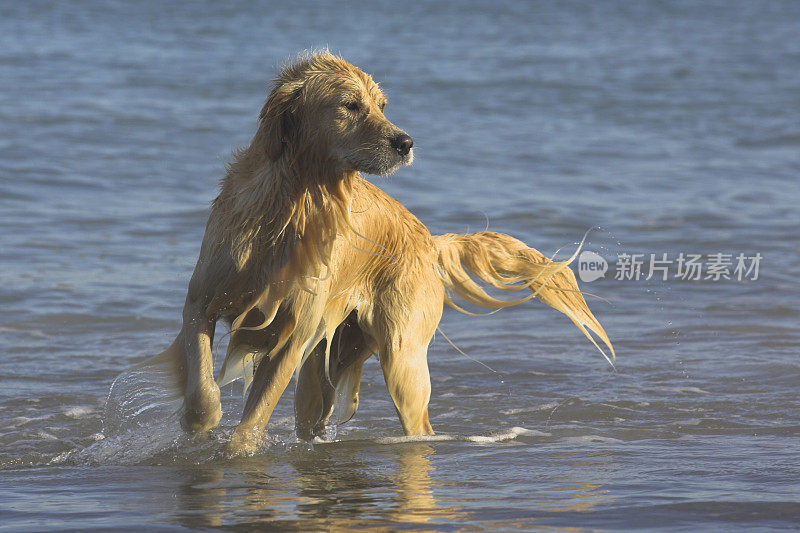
(402, 143)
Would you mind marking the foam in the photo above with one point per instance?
(78, 411)
(499, 436)
(689, 422)
(683, 390)
(593, 439)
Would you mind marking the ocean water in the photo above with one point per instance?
(673, 127)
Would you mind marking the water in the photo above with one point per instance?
(673, 126)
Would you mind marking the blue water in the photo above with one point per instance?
(674, 127)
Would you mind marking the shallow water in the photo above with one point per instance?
(673, 127)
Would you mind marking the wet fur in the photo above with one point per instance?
(315, 269)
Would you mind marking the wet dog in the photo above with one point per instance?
(315, 269)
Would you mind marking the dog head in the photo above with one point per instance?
(324, 109)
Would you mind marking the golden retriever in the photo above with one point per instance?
(315, 269)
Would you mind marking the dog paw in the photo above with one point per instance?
(202, 409)
(309, 433)
(243, 443)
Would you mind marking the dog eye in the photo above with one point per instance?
(352, 106)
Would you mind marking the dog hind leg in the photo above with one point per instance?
(406, 373)
(317, 397)
(353, 347)
(313, 397)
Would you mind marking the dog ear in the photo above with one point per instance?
(278, 121)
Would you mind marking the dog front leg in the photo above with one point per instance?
(271, 378)
(202, 409)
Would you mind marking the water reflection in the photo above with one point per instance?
(414, 498)
(200, 497)
(362, 484)
(586, 473)
(337, 484)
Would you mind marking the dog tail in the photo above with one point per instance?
(508, 264)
